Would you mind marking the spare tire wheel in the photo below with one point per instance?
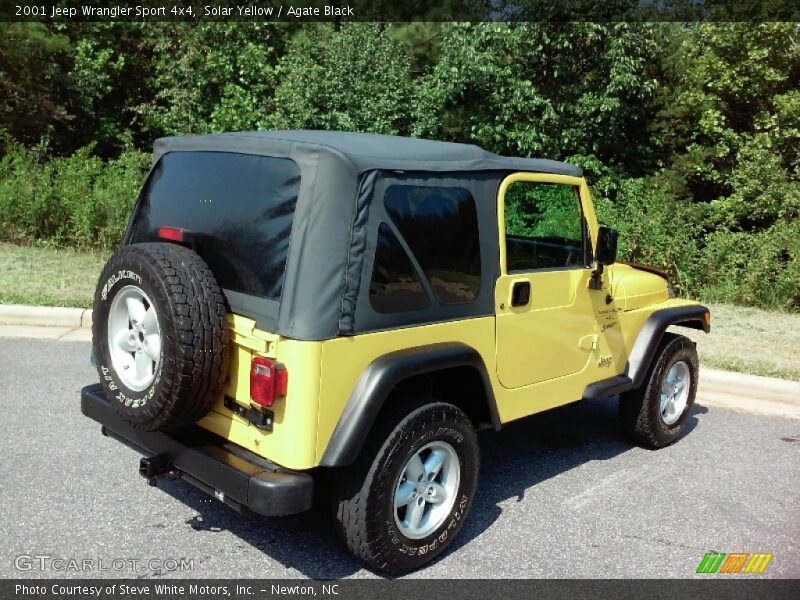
(160, 335)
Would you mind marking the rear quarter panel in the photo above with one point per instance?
(292, 442)
(344, 359)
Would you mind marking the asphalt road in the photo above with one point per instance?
(562, 494)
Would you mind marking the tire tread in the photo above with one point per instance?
(199, 362)
(357, 487)
(639, 420)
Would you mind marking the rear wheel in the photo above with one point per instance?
(406, 498)
(655, 414)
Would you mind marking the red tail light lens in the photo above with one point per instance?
(170, 233)
(268, 380)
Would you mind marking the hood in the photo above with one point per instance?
(634, 286)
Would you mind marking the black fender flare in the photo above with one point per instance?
(378, 380)
(645, 347)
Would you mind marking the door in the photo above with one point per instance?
(545, 318)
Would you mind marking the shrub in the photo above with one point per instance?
(78, 200)
(655, 229)
(761, 269)
(752, 268)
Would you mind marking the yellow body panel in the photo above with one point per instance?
(537, 357)
(292, 442)
(344, 359)
(635, 288)
(541, 340)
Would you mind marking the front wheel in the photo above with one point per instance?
(405, 500)
(655, 414)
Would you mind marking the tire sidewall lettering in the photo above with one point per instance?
(439, 538)
(119, 391)
(116, 278)
(127, 398)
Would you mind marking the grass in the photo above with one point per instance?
(46, 276)
(750, 340)
(747, 340)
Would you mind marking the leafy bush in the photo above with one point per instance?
(352, 78)
(79, 200)
(687, 131)
(751, 268)
(655, 229)
(761, 269)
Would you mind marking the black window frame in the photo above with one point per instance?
(483, 185)
(586, 237)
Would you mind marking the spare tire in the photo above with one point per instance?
(160, 336)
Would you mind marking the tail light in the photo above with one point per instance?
(268, 380)
(170, 233)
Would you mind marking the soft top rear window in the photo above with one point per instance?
(237, 210)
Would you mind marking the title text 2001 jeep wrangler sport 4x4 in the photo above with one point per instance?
(289, 308)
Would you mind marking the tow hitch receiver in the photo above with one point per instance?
(242, 480)
(153, 467)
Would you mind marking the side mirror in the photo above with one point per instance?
(606, 253)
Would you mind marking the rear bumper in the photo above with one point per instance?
(228, 472)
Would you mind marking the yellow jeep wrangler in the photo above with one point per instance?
(299, 311)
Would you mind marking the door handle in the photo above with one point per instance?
(521, 293)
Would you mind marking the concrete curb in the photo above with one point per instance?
(45, 316)
(741, 384)
(749, 393)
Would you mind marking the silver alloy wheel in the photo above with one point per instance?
(134, 338)
(675, 392)
(426, 490)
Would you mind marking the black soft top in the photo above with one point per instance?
(339, 207)
(369, 151)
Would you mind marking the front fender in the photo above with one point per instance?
(645, 347)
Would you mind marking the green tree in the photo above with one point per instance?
(212, 76)
(107, 81)
(580, 91)
(32, 80)
(730, 121)
(355, 78)
(729, 196)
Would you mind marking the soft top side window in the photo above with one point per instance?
(395, 286)
(440, 226)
